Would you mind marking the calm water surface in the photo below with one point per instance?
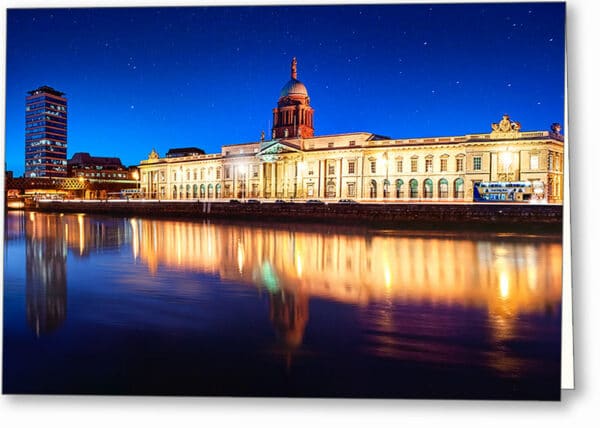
(110, 305)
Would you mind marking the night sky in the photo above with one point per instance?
(138, 78)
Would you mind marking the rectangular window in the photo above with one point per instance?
(550, 161)
(254, 171)
(352, 143)
(351, 167)
(534, 162)
(460, 164)
(444, 165)
(218, 173)
(399, 166)
(413, 165)
(329, 145)
(351, 190)
(227, 172)
(311, 168)
(477, 163)
(331, 168)
(429, 165)
(373, 167)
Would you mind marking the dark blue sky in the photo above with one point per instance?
(138, 78)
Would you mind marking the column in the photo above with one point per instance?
(273, 185)
(261, 183)
(340, 174)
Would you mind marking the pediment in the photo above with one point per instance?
(278, 148)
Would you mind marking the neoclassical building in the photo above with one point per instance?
(296, 164)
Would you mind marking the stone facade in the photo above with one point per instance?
(363, 166)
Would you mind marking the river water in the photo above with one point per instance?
(106, 305)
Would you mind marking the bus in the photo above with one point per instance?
(131, 194)
(499, 191)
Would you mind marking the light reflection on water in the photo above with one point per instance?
(433, 299)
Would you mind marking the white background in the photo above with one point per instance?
(579, 407)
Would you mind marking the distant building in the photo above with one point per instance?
(294, 163)
(84, 165)
(185, 151)
(45, 133)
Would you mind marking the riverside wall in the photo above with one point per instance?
(510, 217)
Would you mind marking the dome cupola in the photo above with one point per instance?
(293, 117)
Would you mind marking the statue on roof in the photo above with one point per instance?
(153, 154)
(506, 126)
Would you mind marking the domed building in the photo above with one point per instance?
(293, 117)
(295, 164)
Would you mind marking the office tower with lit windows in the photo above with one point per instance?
(45, 133)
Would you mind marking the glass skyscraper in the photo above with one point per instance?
(46, 133)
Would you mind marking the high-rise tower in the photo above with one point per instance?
(293, 117)
(45, 133)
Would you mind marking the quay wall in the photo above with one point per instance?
(402, 216)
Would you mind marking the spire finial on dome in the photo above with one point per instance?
(294, 69)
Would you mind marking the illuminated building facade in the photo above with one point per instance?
(84, 165)
(45, 133)
(295, 164)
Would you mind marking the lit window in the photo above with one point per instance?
(429, 165)
(413, 165)
(444, 165)
(534, 162)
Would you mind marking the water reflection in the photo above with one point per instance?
(498, 275)
(46, 277)
(407, 288)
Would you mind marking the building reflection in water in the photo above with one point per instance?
(45, 270)
(505, 279)
(48, 237)
(407, 288)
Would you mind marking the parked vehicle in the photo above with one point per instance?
(315, 201)
(234, 201)
(253, 201)
(347, 201)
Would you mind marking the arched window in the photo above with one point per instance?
(459, 188)
(428, 188)
(443, 188)
(195, 190)
(181, 191)
(218, 191)
(174, 192)
(202, 191)
(414, 188)
(386, 188)
(399, 188)
(373, 189)
(210, 191)
(187, 191)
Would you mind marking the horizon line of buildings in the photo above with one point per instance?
(294, 163)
